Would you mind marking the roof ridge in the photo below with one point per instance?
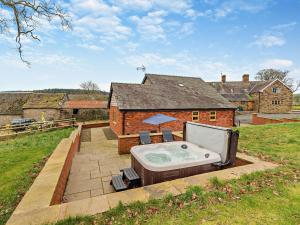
(170, 75)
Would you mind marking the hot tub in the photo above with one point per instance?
(167, 161)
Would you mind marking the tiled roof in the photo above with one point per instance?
(12, 103)
(168, 92)
(239, 87)
(237, 97)
(85, 104)
(44, 101)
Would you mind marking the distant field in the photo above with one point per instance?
(21, 160)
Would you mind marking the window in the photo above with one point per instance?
(276, 102)
(75, 111)
(275, 90)
(195, 116)
(213, 116)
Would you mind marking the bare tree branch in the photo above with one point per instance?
(25, 18)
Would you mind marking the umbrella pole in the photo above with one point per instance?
(158, 128)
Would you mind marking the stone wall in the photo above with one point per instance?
(126, 142)
(133, 120)
(6, 119)
(49, 114)
(285, 96)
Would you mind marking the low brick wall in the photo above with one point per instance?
(256, 120)
(95, 125)
(126, 142)
(62, 182)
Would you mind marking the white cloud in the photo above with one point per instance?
(187, 29)
(269, 40)
(181, 63)
(134, 4)
(91, 47)
(284, 26)
(277, 63)
(151, 25)
(96, 19)
(183, 7)
(231, 7)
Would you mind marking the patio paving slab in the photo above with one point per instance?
(93, 166)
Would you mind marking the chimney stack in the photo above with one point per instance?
(223, 77)
(246, 78)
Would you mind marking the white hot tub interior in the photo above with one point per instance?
(172, 155)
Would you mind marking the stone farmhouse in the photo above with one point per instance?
(49, 106)
(185, 98)
(260, 96)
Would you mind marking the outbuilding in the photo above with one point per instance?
(185, 98)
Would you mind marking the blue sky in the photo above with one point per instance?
(110, 38)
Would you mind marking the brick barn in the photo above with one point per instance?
(185, 98)
(84, 110)
(271, 96)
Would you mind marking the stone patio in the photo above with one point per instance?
(93, 166)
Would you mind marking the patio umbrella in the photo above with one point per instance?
(159, 119)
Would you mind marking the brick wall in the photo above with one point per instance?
(49, 114)
(134, 120)
(63, 178)
(117, 124)
(256, 120)
(126, 142)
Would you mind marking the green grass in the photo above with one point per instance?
(21, 160)
(270, 197)
(296, 107)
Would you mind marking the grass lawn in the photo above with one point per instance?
(296, 107)
(270, 197)
(21, 160)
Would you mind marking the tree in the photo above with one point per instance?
(24, 16)
(271, 74)
(89, 86)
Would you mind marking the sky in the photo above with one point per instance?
(111, 38)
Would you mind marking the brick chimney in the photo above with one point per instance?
(246, 78)
(223, 78)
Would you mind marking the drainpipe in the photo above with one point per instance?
(258, 102)
(123, 122)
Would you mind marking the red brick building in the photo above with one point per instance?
(185, 98)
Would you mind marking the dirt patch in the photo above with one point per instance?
(109, 134)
